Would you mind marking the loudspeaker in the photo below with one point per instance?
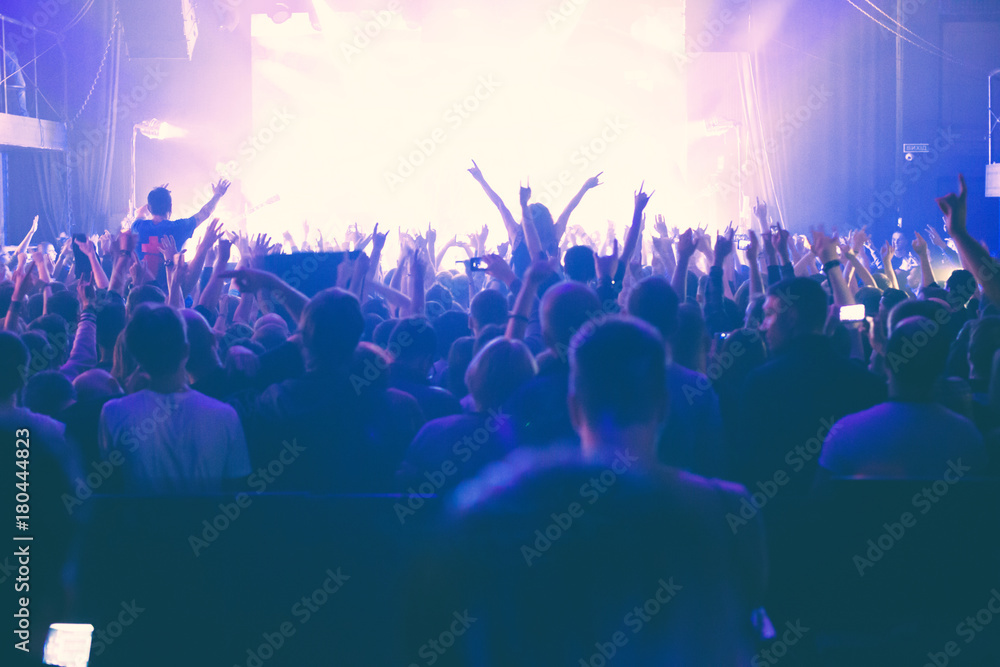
(308, 272)
(160, 29)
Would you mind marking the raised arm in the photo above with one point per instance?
(536, 274)
(530, 232)
(100, 277)
(276, 290)
(685, 250)
(563, 219)
(218, 192)
(976, 258)
(926, 272)
(26, 241)
(508, 219)
(825, 248)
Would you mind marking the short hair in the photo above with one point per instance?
(13, 363)
(618, 372)
(565, 309)
(48, 392)
(579, 264)
(441, 294)
(411, 339)
(932, 310)
(110, 320)
(917, 352)
(870, 297)
(332, 325)
(365, 357)
(147, 293)
(449, 327)
(807, 297)
(487, 334)
(66, 304)
(498, 370)
(380, 336)
(488, 307)
(984, 341)
(654, 301)
(157, 338)
(961, 285)
(159, 201)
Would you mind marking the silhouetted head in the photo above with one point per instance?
(497, 371)
(157, 338)
(331, 326)
(159, 202)
(794, 307)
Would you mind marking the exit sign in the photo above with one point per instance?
(916, 148)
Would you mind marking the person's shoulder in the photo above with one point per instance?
(206, 403)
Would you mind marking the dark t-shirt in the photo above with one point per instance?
(149, 237)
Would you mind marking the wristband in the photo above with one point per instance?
(833, 263)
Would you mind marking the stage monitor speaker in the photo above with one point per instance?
(721, 26)
(159, 29)
(308, 272)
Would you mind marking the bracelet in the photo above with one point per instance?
(833, 263)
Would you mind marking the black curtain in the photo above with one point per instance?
(74, 186)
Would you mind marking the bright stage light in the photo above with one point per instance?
(158, 129)
(388, 115)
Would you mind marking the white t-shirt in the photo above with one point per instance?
(177, 443)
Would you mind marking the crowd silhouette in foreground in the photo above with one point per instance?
(606, 451)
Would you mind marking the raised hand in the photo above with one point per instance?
(483, 234)
(935, 237)
(498, 267)
(225, 250)
(760, 210)
(525, 194)
(378, 240)
(475, 171)
(660, 226)
(168, 248)
(686, 244)
(34, 225)
(260, 246)
(432, 235)
(823, 246)
(886, 254)
(220, 188)
(858, 239)
(89, 249)
(541, 270)
(85, 291)
(593, 181)
(954, 208)
(212, 234)
(919, 244)
(607, 265)
(753, 248)
(724, 244)
(780, 241)
(641, 198)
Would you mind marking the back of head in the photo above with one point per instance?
(145, 294)
(449, 327)
(270, 336)
(159, 201)
(331, 326)
(983, 344)
(916, 353)
(807, 298)
(459, 357)
(579, 264)
(871, 297)
(66, 304)
(654, 301)
(48, 393)
(200, 336)
(565, 309)
(441, 294)
(488, 307)
(157, 338)
(369, 365)
(961, 285)
(272, 318)
(413, 341)
(13, 363)
(485, 335)
(931, 309)
(497, 371)
(380, 336)
(110, 320)
(96, 386)
(618, 373)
